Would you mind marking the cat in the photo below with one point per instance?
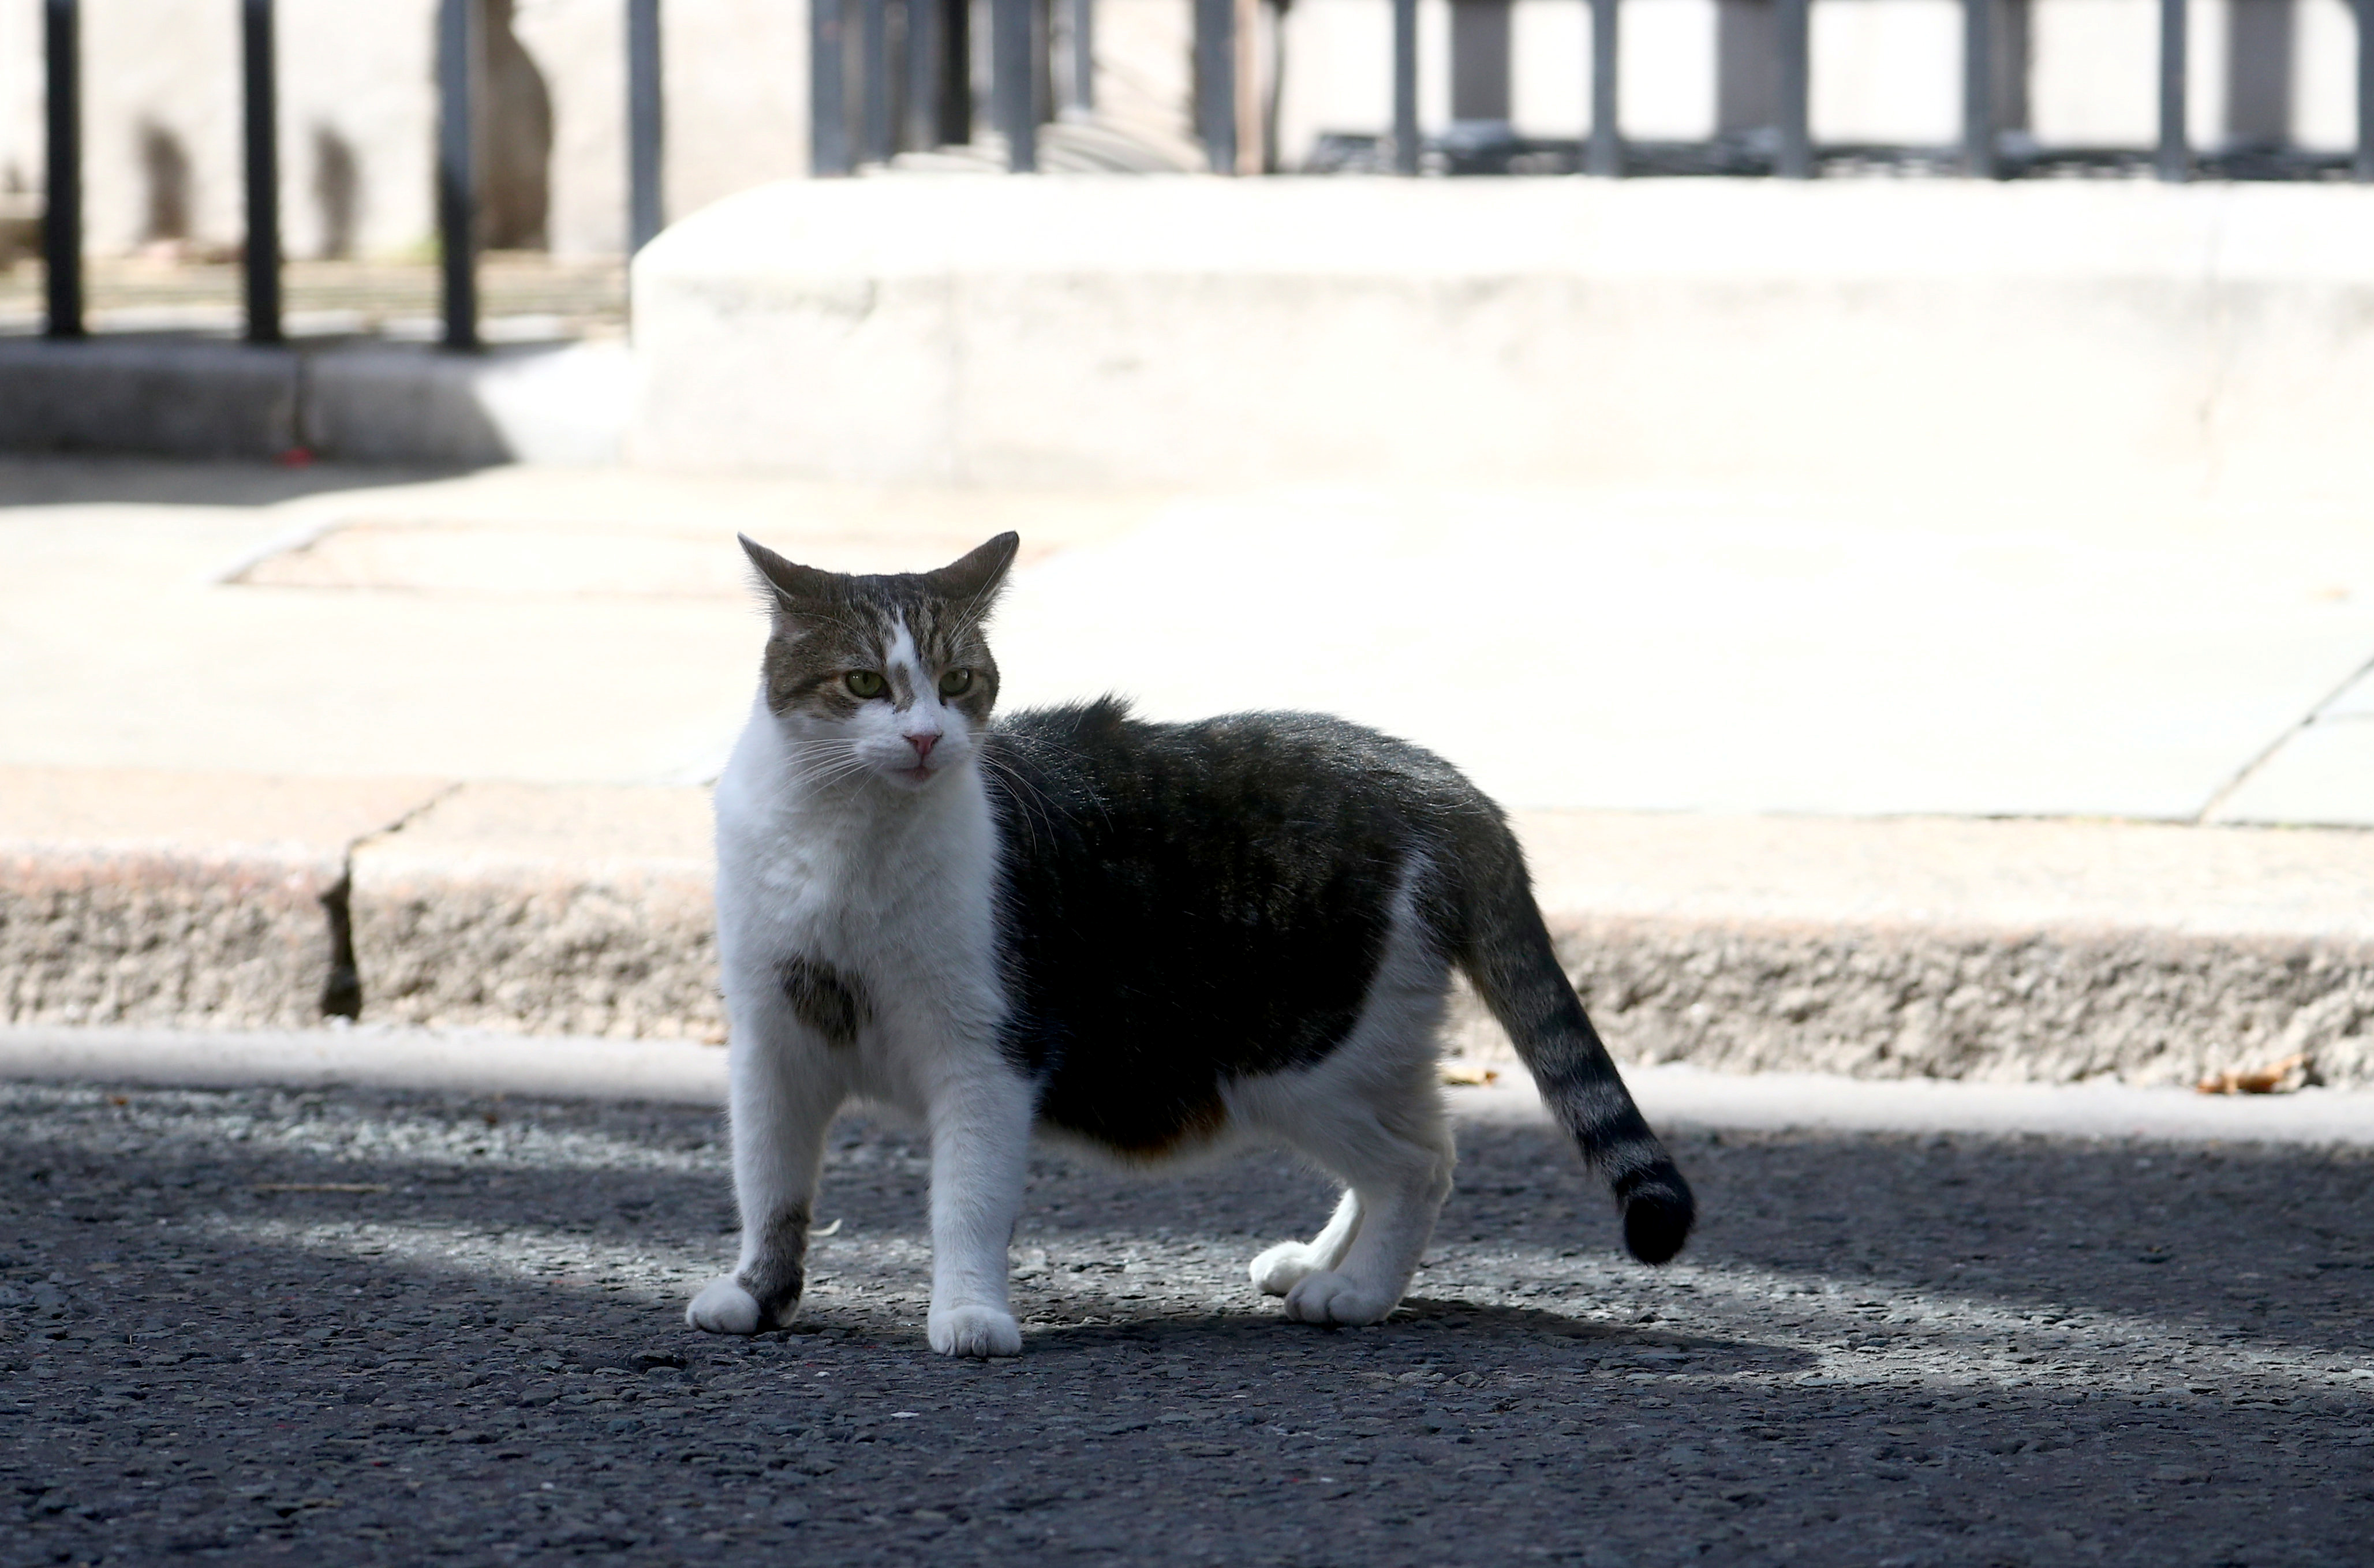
(1157, 940)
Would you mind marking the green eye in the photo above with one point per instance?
(863, 683)
(955, 683)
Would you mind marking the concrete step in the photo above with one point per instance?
(1940, 336)
(2040, 950)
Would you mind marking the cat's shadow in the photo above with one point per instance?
(1459, 1329)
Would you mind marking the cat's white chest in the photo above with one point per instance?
(894, 892)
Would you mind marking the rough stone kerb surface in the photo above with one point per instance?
(190, 899)
(582, 911)
(2013, 951)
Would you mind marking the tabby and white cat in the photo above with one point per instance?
(1157, 939)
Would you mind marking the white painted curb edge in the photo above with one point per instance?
(684, 1073)
(674, 1071)
(1683, 1096)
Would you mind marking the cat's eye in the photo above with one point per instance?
(863, 683)
(955, 683)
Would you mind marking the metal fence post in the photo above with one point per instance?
(923, 118)
(1979, 160)
(874, 55)
(1215, 83)
(828, 150)
(61, 204)
(1405, 147)
(945, 115)
(2364, 168)
(1083, 17)
(457, 175)
(1014, 81)
(262, 128)
(1605, 157)
(1794, 21)
(2175, 162)
(646, 131)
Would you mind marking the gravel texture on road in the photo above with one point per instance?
(357, 1327)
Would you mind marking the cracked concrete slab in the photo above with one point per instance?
(2322, 773)
(2355, 700)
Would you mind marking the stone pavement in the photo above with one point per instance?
(365, 1325)
(277, 743)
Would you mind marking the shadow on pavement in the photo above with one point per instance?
(52, 480)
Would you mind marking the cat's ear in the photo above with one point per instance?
(788, 583)
(975, 580)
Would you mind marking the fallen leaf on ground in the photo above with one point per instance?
(2281, 1077)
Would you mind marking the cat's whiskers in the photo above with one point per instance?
(828, 771)
(829, 760)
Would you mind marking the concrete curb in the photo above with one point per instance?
(676, 1072)
(182, 898)
(2004, 952)
(571, 912)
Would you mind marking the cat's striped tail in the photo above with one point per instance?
(1509, 957)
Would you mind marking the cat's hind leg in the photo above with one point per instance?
(1379, 1126)
(1399, 1183)
(1371, 1113)
(1289, 1263)
(783, 1089)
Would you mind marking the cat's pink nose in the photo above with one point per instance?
(923, 744)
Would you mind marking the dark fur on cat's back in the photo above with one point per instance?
(1186, 903)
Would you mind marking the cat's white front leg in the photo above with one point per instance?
(980, 1147)
(783, 1092)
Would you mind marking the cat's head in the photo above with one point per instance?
(882, 679)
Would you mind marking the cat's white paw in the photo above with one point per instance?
(975, 1331)
(724, 1307)
(1335, 1298)
(1283, 1267)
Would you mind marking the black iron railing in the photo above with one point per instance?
(1019, 67)
(459, 56)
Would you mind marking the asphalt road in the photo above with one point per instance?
(357, 1327)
